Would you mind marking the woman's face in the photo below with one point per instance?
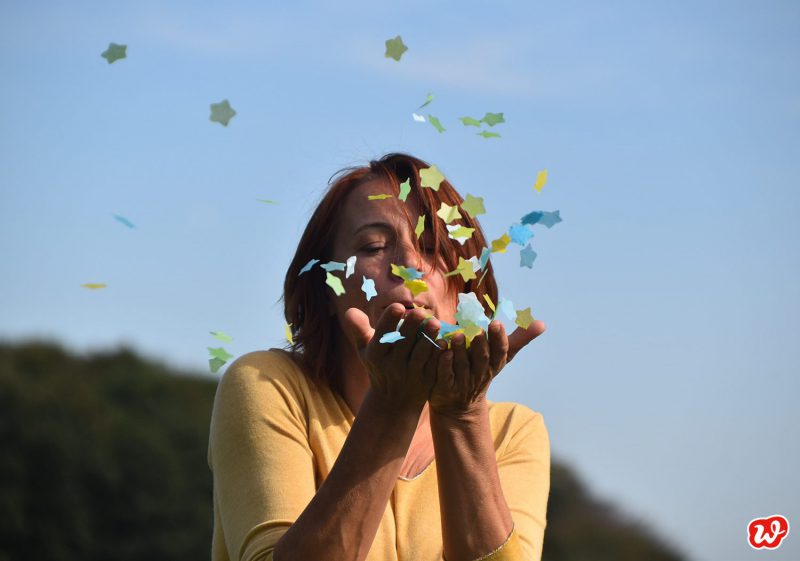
(378, 234)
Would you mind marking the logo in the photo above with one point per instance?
(767, 533)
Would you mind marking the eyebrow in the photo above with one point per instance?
(379, 225)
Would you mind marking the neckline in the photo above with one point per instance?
(420, 474)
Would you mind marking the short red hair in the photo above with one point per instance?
(316, 334)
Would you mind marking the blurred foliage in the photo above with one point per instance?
(104, 457)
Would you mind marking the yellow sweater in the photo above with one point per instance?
(275, 436)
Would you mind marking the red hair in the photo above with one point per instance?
(316, 334)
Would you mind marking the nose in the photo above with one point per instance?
(408, 256)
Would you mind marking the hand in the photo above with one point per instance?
(464, 375)
(401, 373)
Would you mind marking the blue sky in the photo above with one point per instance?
(670, 132)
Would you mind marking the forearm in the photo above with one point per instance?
(475, 515)
(342, 519)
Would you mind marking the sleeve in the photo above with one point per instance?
(524, 470)
(259, 454)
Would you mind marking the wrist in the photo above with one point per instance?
(476, 411)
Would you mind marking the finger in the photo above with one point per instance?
(423, 349)
(479, 363)
(522, 337)
(358, 327)
(386, 324)
(460, 365)
(498, 346)
(411, 325)
(444, 373)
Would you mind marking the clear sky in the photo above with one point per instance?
(670, 131)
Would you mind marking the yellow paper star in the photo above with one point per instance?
(473, 206)
(416, 286)
(288, 332)
(464, 269)
(448, 213)
(471, 331)
(380, 197)
(93, 286)
(524, 318)
(462, 232)
(420, 226)
(541, 179)
(499, 245)
(489, 301)
(431, 177)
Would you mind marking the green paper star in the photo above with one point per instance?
(114, 52)
(222, 112)
(436, 124)
(431, 177)
(395, 48)
(473, 206)
(220, 353)
(470, 122)
(427, 101)
(420, 226)
(448, 213)
(492, 119)
(464, 269)
(405, 189)
(487, 134)
(222, 336)
(215, 364)
(335, 283)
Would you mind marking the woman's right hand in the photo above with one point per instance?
(403, 373)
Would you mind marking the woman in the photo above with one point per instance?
(347, 448)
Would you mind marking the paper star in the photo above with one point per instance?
(459, 233)
(333, 266)
(222, 112)
(476, 264)
(335, 283)
(418, 118)
(406, 273)
(368, 286)
(473, 206)
(464, 268)
(526, 257)
(470, 310)
(541, 179)
(524, 318)
(220, 353)
(391, 337)
(351, 266)
(287, 331)
(268, 201)
(499, 245)
(506, 308)
(308, 266)
(215, 364)
(420, 226)
(124, 220)
(405, 189)
(436, 123)
(431, 177)
(114, 52)
(221, 336)
(395, 48)
(427, 101)
(487, 134)
(548, 219)
(447, 329)
(380, 197)
(485, 253)
(416, 286)
(520, 233)
(93, 286)
(492, 119)
(448, 213)
(470, 122)
(489, 301)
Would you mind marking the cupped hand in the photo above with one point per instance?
(401, 373)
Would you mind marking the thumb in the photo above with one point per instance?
(358, 327)
(521, 337)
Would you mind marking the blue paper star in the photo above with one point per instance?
(526, 257)
(548, 219)
(520, 233)
(368, 286)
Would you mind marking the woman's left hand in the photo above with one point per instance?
(464, 375)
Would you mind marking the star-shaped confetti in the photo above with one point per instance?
(351, 266)
(333, 266)
(307, 267)
(505, 307)
(93, 285)
(391, 337)
(541, 179)
(448, 213)
(335, 283)
(123, 220)
(418, 118)
(465, 268)
(436, 123)
(499, 245)
(524, 318)
(470, 310)
(431, 177)
(484, 259)
(416, 286)
(493, 119)
(487, 134)
(395, 48)
(470, 122)
(405, 189)
(380, 197)
(220, 353)
(473, 206)
(427, 101)
(368, 287)
(527, 257)
(222, 112)
(406, 273)
(221, 336)
(420, 226)
(287, 331)
(489, 302)
(459, 233)
(267, 201)
(215, 364)
(548, 219)
(114, 52)
(520, 233)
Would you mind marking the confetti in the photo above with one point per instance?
(470, 122)
(405, 189)
(473, 206)
(493, 119)
(520, 233)
(548, 219)
(487, 134)
(391, 337)
(416, 286)
(489, 301)
(287, 331)
(335, 283)
(351, 266)
(221, 336)
(506, 308)
(470, 310)
(406, 273)
(268, 201)
(465, 269)
(222, 112)
(427, 101)
(380, 197)
(431, 177)
(448, 213)
(368, 286)
(524, 318)
(484, 259)
(220, 353)
(499, 245)
(541, 179)
(447, 329)
(527, 257)
(93, 286)
(436, 123)
(308, 266)
(418, 118)
(215, 364)
(114, 52)
(476, 264)
(460, 233)
(333, 266)
(395, 48)
(452, 228)
(420, 226)
(124, 220)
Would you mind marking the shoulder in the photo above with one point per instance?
(512, 422)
